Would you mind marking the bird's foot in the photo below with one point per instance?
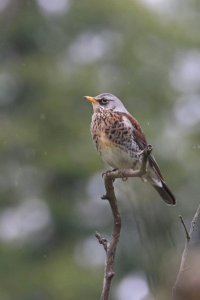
(124, 178)
(108, 172)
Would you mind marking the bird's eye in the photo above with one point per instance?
(104, 101)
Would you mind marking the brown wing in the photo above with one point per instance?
(139, 135)
(164, 191)
(142, 142)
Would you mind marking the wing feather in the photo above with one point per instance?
(142, 142)
(139, 134)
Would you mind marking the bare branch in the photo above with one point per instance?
(110, 247)
(102, 241)
(184, 258)
(185, 228)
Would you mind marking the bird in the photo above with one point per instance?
(119, 139)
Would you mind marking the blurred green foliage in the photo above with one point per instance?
(50, 58)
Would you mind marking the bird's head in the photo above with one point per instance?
(106, 101)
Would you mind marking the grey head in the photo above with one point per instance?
(107, 101)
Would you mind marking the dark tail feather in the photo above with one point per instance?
(165, 193)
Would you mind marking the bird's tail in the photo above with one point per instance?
(165, 193)
(155, 177)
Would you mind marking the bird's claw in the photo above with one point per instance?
(124, 178)
(107, 172)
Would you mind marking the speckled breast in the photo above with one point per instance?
(113, 135)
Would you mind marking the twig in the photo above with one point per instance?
(185, 228)
(111, 246)
(102, 241)
(184, 257)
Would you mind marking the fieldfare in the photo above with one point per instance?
(119, 139)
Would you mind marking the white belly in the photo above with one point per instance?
(117, 158)
(120, 159)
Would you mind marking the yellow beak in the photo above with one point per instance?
(90, 99)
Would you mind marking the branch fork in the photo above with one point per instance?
(184, 259)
